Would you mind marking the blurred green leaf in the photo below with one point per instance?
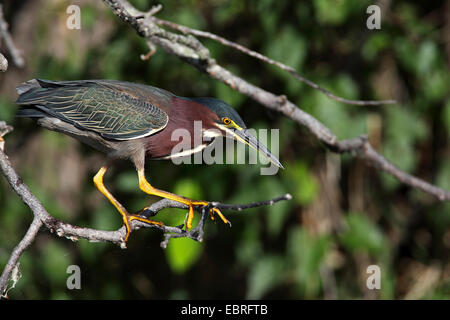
(7, 110)
(182, 253)
(55, 259)
(345, 121)
(387, 282)
(112, 291)
(249, 247)
(426, 56)
(443, 175)
(228, 11)
(106, 217)
(264, 275)
(446, 116)
(308, 253)
(190, 18)
(376, 43)
(290, 48)
(279, 212)
(304, 186)
(435, 84)
(362, 235)
(88, 16)
(406, 53)
(230, 96)
(401, 137)
(110, 63)
(127, 182)
(335, 12)
(188, 188)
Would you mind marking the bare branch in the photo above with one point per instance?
(189, 49)
(72, 232)
(17, 252)
(228, 43)
(15, 53)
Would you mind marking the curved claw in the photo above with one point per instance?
(219, 213)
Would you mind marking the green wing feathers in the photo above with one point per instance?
(106, 107)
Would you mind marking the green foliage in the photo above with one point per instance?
(249, 247)
(277, 214)
(182, 254)
(443, 175)
(362, 235)
(88, 17)
(446, 116)
(127, 181)
(225, 93)
(55, 260)
(307, 252)
(290, 48)
(264, 275)
(6, 110)
(228, 10)
(303, 185)
(336, 12)
(401, 140)
(376, 43)
(271, 252)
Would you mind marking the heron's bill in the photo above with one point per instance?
(246, 137)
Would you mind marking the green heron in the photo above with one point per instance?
(135, 121)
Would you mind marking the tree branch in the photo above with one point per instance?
(190, 49)
(72, 232)
(186, 30)
(17, 252)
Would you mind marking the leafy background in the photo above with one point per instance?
(345, 215)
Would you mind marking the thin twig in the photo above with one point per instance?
(15, 53)
(197, 232)
(257, 55)
(26, 241)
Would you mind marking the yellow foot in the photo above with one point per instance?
(145, 186)
(130, 217)
(190, 217)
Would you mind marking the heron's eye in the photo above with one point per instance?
(226, 121)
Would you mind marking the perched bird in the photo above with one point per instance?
(129, 120)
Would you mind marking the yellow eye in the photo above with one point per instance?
(226, 121)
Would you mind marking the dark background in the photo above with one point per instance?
(345, 215)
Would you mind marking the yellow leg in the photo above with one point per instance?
(149, 189)
(127, 218)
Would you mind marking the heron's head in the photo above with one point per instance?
(230, 124)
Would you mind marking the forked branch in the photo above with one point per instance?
(190, 49)
(42, 218)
